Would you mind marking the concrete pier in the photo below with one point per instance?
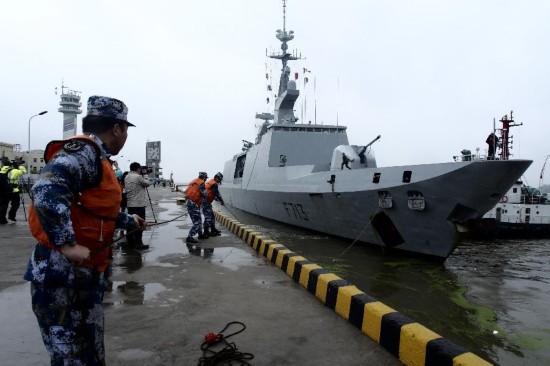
(165, 299)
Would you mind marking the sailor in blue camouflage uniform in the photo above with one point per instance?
(212, 193)
(68, 267)
(194, 195)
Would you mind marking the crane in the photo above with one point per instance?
(542, 171)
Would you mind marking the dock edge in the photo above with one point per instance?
(412, 343)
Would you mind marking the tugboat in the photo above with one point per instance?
(309, 175)
(522, 213)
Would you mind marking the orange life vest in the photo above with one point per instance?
(193, 191)
(209, 192)
(93, 212)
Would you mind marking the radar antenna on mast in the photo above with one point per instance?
(506, 142)
(285, 56)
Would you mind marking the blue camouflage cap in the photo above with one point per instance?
(101, 106)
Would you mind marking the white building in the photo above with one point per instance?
(6, 151)
(35, 161)
(70, 107)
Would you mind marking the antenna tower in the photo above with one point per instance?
(70, 107)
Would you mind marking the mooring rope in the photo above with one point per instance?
(358, 236)
(103, 247)
(148, 225)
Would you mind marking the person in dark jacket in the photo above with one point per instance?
(14, 175)
(345, 161)
(492, 142)
(6, 190)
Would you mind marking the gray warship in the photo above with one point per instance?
(294, 173)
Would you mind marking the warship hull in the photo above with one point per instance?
(382, 213)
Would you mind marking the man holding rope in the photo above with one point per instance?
(212, 193)
(74, 212)
(194, 195)
(136, 183)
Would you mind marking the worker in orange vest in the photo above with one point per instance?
(212, 193)
(194, 195)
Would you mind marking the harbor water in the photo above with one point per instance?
(490, 297)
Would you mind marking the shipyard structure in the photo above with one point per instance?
(70, 107)
(152, 156)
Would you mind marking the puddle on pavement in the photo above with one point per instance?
(169, 239)
(21, 343)
(164, 237)
(132, 293)
(227, 257)
(134, 354)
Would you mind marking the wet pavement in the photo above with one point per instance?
(165, 299)
(490, 297)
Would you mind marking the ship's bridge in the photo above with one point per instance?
(299, 144)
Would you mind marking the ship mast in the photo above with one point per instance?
(506, 143)
(284, 37)
(287, 94)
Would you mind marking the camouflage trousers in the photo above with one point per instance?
(208, 214)
(71, 323)
(194, 211)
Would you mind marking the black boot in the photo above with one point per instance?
(203, 236)
(214, 231)
(141, 246)
(190, 239)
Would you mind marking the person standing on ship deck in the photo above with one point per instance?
(492, 141)
(345, 161)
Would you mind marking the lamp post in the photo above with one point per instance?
(29, 141)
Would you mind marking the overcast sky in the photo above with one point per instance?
(429, 76)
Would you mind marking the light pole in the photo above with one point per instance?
(28, 157)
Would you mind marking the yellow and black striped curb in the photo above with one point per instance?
(412, 343)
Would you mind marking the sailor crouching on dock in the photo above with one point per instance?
(73, 215)
(194, 195)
